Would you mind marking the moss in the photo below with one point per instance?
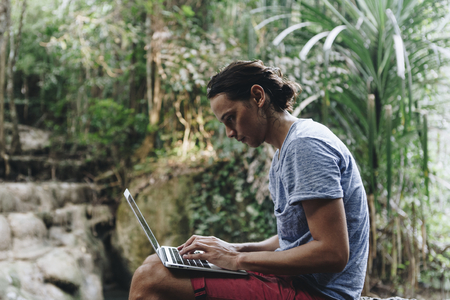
(164, 206)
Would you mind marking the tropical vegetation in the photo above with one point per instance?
(124, 83)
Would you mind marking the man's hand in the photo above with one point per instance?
(216, 251)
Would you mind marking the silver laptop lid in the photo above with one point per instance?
(142, 221)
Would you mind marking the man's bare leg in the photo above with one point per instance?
(154, 281)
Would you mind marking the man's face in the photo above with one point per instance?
(242, 119)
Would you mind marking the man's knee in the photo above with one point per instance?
(147, 279)
(151, 259)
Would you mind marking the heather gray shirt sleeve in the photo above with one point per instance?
(311, 171)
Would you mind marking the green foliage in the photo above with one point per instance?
(111, 125)
(187, 10)
(82, 67)
(394, 53)
(224, 205)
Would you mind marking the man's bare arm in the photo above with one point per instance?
(271, 244)
(328, 252)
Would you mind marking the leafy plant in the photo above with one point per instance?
(224, 205)
(379, 61)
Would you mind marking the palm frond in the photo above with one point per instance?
(279, 38)
(305, 50)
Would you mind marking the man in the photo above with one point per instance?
(321, 248)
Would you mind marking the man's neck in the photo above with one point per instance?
(281, 123)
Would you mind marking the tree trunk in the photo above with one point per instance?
(132, 80)
(26, 94)
(13, 53)
(399, 239)
(424, 245)
(153, 25)
(395, 248)
(156, 46)
(373, 226)
(186, 121)
(412, 267)
(3, 41)
(149, 141)
(149, 61)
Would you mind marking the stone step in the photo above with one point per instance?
(42, 168)
(57, 261)
(43, 197)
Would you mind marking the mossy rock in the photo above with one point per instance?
(164, 206)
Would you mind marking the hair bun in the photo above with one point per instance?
(288, 90)
(237, 78)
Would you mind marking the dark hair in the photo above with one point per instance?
(237, 78)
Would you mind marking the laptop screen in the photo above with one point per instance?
(142, 221)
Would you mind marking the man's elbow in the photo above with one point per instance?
(340, 260)
(337, 258)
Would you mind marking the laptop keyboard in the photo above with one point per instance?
(188, 262)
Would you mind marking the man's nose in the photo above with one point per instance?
(230, 132)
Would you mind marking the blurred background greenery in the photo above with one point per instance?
(121, 84)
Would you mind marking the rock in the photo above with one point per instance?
(8, 202)
(60, 268)
(72, 229)
(50, 252)
(31, 138)
(29, 235)
(99, 215)
(73, 272)
(23, 278)
(163, 204)
(60, 237)
(23, 197)
(5, 234)
(92, 288)
(5, 238)
(75, 193)
(56, 293)
(32, 197)
(26, 193)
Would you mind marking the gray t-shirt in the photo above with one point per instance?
(314, 164)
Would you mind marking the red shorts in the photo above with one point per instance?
(252, 287)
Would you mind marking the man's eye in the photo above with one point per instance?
(230, 118)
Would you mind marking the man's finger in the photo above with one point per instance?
(188, 242)
(195, 255)
(193, 247)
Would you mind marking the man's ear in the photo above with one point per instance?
(258, 95)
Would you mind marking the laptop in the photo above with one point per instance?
(169, 256)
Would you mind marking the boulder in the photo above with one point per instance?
(73, 272)
(5, 234)
(31, 138)
(29, 235)
(72, 228)
(92, 288)
(8, 202)
(75, 193)
(26, 193)
(163, 204)
(53, 292)
(44, 197)
(60, 268)
(48, 250)
(22, 279)
(5, 238)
